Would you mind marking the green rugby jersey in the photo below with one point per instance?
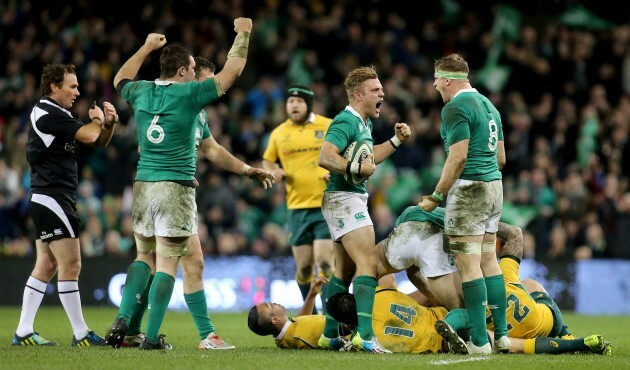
(346, 128)
(470, 115)
(415, 213)
(166, 114)
(202, 130)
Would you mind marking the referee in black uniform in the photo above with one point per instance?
(50, 151)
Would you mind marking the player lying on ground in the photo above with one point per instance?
(397, 319)
(416, 245)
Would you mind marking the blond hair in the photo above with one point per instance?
(452, 63)
(357, 76)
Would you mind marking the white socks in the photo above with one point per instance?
(33, 295)
(71, 301)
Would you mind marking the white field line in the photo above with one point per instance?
(448, 362)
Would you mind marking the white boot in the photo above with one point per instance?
(486, 349)
(502, 345)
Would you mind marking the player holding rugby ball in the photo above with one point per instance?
(344, 203)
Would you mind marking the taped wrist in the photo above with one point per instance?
(395, 141)
(355, 168)
(240, 46)
(437, 195)
(245, 170)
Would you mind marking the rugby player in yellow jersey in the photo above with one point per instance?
(431, 270)
(530, 313)
(400, 323)
(291, 154)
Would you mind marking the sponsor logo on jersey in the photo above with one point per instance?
(288, 152)
(319, 134)
(57, 231)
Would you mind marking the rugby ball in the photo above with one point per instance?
(356, 152)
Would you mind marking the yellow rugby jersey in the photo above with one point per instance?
(525, 317)
(297, 148)
(301, 332)
(403, 325)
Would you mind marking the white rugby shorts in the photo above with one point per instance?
(419, 243)
(345, 212)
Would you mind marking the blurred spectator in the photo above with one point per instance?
(565, 107)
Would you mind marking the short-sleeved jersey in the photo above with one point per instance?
(301, 332)
(470, 115)
(403, 325)
(399, 322)
(50, 149)
(165, 114)
(346, 128)
(415, 213)
(297, 148)
(525, 317)
(202, 132)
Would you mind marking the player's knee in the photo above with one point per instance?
(325, 269)
(46, 267)
(192, 267)
(533, 286)
(70, 269)
(193, 275)
(305, 271)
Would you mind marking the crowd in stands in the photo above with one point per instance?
(562, 86)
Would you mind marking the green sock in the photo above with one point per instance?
(134, 325)
(136, 282)
(159, 296)
(363, 290)
(336, 285)
(458, 319)
(555, 346)
(199, 310)
(474, 297)
(322, 296)
(495, 286)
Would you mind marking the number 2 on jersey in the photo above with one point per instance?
(519, 313)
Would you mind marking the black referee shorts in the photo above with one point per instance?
(54, 215)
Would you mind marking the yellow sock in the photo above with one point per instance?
(529, 347)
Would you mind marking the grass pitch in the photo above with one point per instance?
(254, 352)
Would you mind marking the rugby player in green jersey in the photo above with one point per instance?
(473, 138)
